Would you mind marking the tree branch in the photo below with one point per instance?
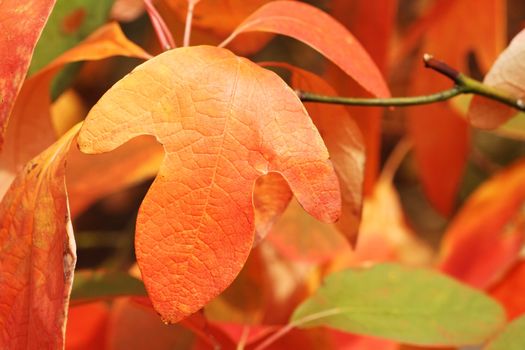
(463, 85)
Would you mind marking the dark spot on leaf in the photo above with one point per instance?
(30, 167)
(73, 21)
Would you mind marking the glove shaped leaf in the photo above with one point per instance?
(223, 122)
(414, 306)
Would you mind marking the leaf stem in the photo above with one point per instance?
(463, 85)
(286, 329)
(189, 19)
(161, 29)
(382, 102)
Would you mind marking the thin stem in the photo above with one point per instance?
(382, 102)
(189, 19)
(244, 337)
(395, 159)
(286, 329)
(463, 85)
(161, 29)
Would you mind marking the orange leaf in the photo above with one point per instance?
(317, 29)
(30, 129)
(486, 236)
(223, 122)
(22, 23)
(37, 253)
(507, 74)
(509, 291)
(440, 135)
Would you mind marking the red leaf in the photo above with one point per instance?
(372, 23)
(509, 291)
(486, 236)
(508, 75)
(440, 135)
(86, 326)
(37, 253)
(22, 23)
(317, 29)
(135, 327)
(223, 122)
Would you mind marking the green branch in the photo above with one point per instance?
(463, 85)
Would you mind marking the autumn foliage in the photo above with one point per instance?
(166, 182)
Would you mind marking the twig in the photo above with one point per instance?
(161, 29)
(473, 86)
(463, 85)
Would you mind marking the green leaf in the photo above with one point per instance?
(512, 337)
(70, 22)
(409, 305)
(89, 285)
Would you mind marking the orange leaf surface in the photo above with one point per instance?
(223, 122)
(486, 236)
(507, 74)
(37, 253)
(440, 135)
(509, 291)
(22, 23)
(372, 23)
(323, 33)
(31, 130)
